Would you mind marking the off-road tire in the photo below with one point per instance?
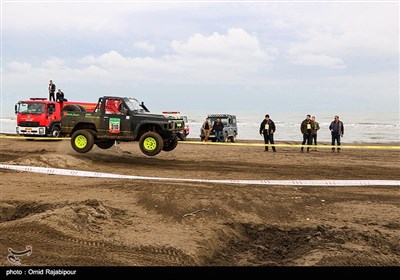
(107, 144)
(72, 108)
(170, 144)
(83, 109)
(151, 143)
(82, 141)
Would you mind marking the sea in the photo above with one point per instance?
(359, 128)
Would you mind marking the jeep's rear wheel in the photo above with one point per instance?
(82, 141)
(151, 143)
(107, 144)
(170, 144)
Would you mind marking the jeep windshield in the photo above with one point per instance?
(224, 121)
(31, 108)
(134, 105)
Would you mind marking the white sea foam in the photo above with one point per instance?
(359, 127)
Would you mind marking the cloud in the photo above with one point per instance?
(234, 57)
(236, 44)
(17, 66)
(53, 63)
(319, 60)
(145, 46)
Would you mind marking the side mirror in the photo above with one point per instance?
(16, 108)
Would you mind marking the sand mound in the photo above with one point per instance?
(52, 160)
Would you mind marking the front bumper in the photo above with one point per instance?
(40, 131)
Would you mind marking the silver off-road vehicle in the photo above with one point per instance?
(230, 127)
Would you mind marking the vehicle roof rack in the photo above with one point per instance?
(219, 115)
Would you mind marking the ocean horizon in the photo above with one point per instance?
(358, 127)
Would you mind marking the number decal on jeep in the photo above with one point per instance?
(114, 125)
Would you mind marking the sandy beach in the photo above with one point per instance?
(72, 221)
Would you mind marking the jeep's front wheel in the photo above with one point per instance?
(170, 144)
(151, 143)
(82, 141)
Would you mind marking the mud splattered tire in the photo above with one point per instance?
(170, 144)
(82, 141)
(105, 144)
(151, 143)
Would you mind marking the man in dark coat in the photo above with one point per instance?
(267, 128)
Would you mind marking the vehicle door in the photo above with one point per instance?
(116, 120)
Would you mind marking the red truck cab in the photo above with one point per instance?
(41, 117)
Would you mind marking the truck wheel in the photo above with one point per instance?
(55, 132)
(151, 143)
(170, 144)
(225, 137)
(82, 141)
(105, 144)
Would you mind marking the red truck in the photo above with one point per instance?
(41, 117)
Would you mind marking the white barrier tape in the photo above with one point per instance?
(68, 172)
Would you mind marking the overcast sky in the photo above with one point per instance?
(194, 56)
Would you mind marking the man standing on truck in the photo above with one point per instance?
(52, 90)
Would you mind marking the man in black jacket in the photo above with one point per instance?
(267, 128)
(305, 129)
(218, 128)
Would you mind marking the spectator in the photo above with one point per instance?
(314, 131)
(52, 90)
(218, 128)
(267, 128)
(305, 129)
(60, 96)
(337, 130)
(206, 128)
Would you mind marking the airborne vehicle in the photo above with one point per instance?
(121, 119)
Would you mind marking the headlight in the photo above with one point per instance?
(41, 130)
